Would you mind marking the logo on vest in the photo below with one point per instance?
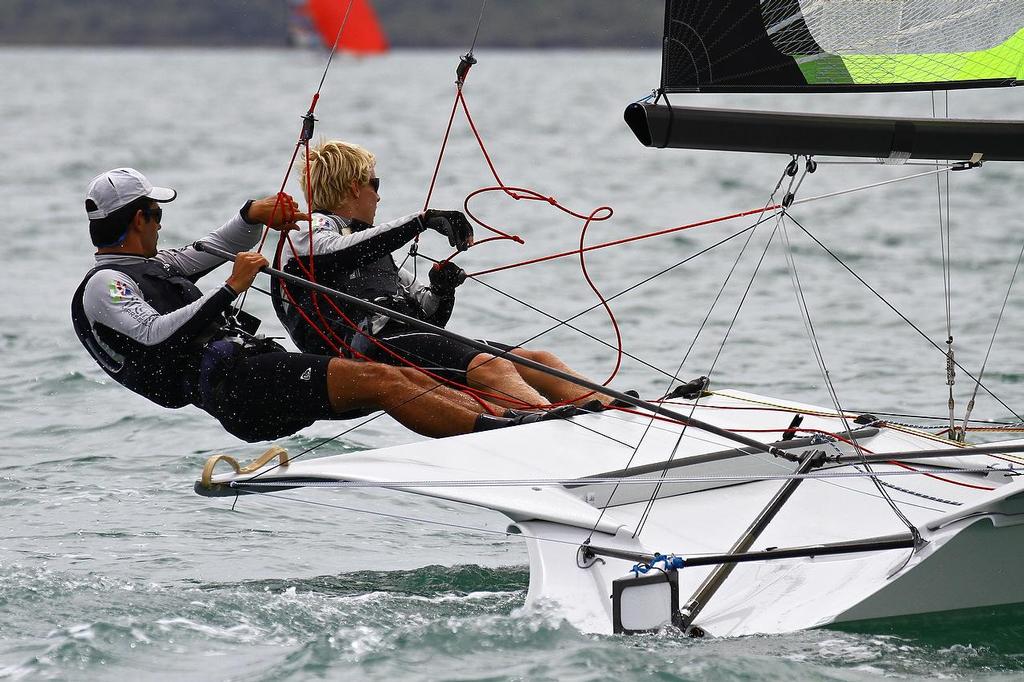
(119, 291)
(307, 374)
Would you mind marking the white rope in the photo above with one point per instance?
(686, 355)
(611, 480)
(711, 370)
(805, 314)
(943, 169)
(995, 330)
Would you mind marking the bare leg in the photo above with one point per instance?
(501, 378)
(415, 400)
(553, 388)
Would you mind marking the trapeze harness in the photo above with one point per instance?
(365, 270)
(183, 369)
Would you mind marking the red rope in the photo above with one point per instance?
(518, 193)
(440, 154)
(325, 330)
(941, 478)
(626, 240)
(334, 340)
(604, 303)
(479, 140)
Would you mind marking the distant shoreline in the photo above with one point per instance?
(407, 24)
(284, 48)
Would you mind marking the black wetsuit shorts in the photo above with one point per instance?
(271, 395)
(438, 354)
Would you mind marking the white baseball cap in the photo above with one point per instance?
(119, 187)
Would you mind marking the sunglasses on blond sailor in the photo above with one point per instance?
(375, 184)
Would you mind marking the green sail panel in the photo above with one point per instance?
(813, 45)
(1003, 62)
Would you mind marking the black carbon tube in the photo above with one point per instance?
(658, 125)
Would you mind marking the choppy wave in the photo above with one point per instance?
(464, 622)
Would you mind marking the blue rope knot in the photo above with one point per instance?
(639, 568)
(671, 563)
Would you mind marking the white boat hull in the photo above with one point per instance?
(970, 562)
(972, 523)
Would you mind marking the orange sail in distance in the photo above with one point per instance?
(362, 34)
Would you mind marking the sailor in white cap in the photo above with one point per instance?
(140, 315)
(125, 190)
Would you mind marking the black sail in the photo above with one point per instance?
(835, 46)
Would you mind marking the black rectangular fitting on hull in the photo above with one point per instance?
(645, 603)
(771, 132)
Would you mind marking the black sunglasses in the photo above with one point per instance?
(154, 214)
(375, 184)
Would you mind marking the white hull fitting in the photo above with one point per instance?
(972, 523)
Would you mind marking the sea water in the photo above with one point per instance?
(110, 566)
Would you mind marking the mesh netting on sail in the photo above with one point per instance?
(836, 46)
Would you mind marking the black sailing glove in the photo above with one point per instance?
(444, 277)
(452, 224)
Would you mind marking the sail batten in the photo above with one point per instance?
(858, 45)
